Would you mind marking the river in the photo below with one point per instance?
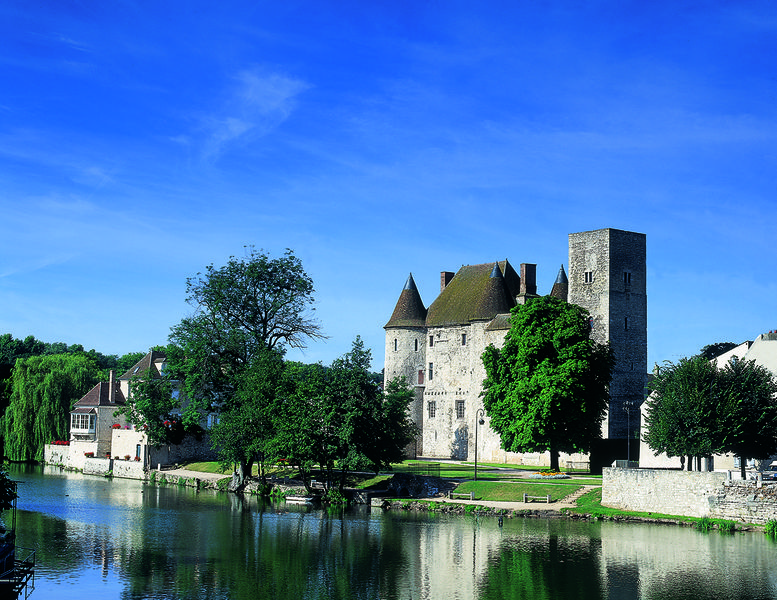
(100, 538)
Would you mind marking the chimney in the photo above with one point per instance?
(112, 387)
(445, 279)
(528, 279)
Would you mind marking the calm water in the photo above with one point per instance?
(121, 539)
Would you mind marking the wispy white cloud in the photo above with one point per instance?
(256, 104)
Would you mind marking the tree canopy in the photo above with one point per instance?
(711, 351)
(44, 390)
(546, 388)
(684, 412)
(241, 309)
(695, 410)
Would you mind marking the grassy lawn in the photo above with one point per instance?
(513, 492)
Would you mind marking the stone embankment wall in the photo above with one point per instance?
(690, 494)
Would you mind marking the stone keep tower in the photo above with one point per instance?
(608, 277)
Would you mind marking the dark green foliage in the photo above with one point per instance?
(711, 351)
(696, 410)
(243, 308)
(246, 425)
(771, 528)
(684, 413)
(546, 388)
(7, 490)
(750, 399)
(44, 389)
(338, 418)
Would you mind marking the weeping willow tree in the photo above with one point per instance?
(43, 391)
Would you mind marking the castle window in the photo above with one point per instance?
(459, 409)
(627, 278)
(395, 344)
(420, 376)
(431, 371)
(589, 276)
(463, 339)
(590, 322)
(431, 341)
(626, 323)
(431, 408)
(416, 344)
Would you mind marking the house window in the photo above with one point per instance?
(416, 344)
(459, 409)
(395, 344)
(589, 276)
(420, 376)
(627, 278)
(590, 322)
(431, 371)
(463, 339)
(82, 422)
(431, 341)
(431, 408)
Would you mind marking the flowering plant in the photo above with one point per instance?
(116, 426)
(61, 442)
(89, 454)
(548, 475)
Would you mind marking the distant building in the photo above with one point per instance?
(439, 349)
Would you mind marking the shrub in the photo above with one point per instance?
(726, 526)
(771, 528)
(704, 524)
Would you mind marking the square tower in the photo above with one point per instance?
(608, 277)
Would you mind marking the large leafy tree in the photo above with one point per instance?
(697, 410)
(241, 309)
(44, 389)
(750, 425)
(684, 412)
(340, 419)
(246, 426)
(546, 388)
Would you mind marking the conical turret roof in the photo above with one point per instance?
(410, 310)
(561, 286)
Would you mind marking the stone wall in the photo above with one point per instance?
(690, 494)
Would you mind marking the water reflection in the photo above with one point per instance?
(123, 539)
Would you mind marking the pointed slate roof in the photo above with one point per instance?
(561, 286)
(99, 395)
(144, 364)
(473, 295)
(410, 310)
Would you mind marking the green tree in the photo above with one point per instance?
(546, 388)
(242, 308)
(711, 351)
(749, 393)
(246, 425)
(686, 413)
(338, 418)
(44, 389)
(7, 490)
(153, 407)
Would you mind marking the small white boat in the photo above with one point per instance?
(299, 499)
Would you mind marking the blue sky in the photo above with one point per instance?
(142, 141)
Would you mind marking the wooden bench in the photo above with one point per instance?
(468, 495)
(527, 498)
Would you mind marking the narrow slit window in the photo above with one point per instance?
(416, 344)
(431, 371)
(627, 278)
(432, 409)
(589, 276)
(463, 339)
(395, 344)
(431, 341)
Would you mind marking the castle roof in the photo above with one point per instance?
(410, 310)
(561, 286)
(476, 293)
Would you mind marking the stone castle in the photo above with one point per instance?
(438, 348)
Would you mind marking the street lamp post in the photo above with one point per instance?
(478, 419)
(627, 405)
